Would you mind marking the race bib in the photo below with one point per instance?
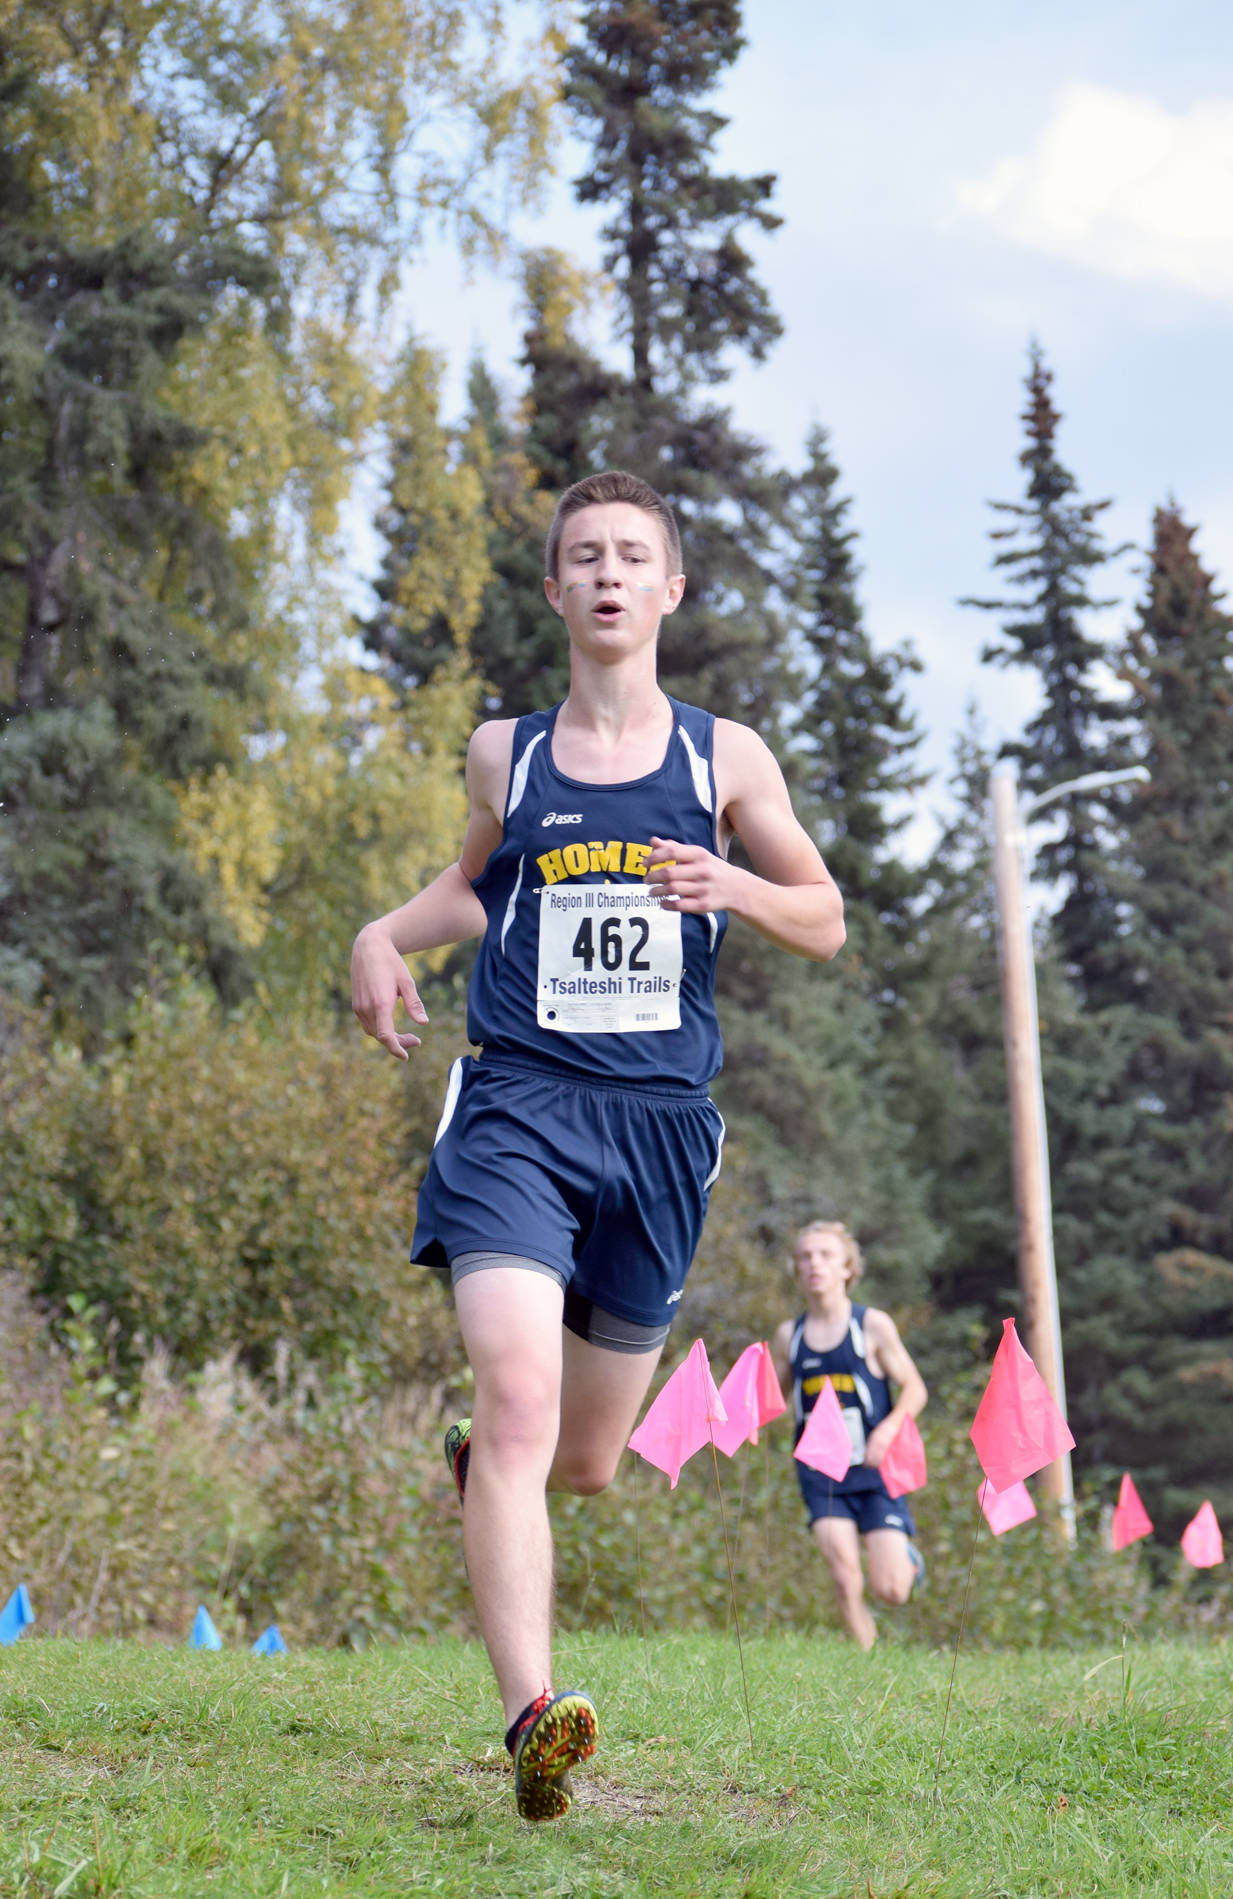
(856, 1432)
(609, 960)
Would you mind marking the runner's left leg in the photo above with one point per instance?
(891, 1574)
(601, 1396)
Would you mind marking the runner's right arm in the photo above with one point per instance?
(446, 911)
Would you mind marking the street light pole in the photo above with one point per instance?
(1029, 1140)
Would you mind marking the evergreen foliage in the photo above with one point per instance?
(857, 761)
(950, 1065)
(1169, 973)
(1049, 551)
(515, 640)
(687, 298)
(635, 78)
(123, 613)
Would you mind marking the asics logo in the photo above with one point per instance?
(673, 1297)
(560, 817)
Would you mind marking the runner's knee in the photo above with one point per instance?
(845, 1575)
(516, 1413)
(586, 1470)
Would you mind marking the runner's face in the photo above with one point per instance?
(613, 585)
(822, 1264)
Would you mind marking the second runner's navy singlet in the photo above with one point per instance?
(580, 966)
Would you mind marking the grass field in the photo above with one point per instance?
(158, 1774)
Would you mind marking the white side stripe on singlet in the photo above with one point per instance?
(452, 1093)
(518, 780)
(698, 772)
(713, 920)
(856, 1332)
(798, 1396)
(512, 905)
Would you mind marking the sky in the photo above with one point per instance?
(955, 180)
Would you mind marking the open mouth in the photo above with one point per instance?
(609, 609)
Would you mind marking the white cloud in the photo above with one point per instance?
(1119, 183)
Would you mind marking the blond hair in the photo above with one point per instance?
(613, 485)
(853, 1258)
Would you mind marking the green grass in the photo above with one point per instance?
(158, 1774)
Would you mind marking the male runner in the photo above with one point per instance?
(859, 1349)
(576, 1153)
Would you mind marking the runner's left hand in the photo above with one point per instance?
(691, 878)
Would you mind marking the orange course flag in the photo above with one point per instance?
(1130, 1519)
(683, 1416)
(1006, 1509)
(1202, 1543)
(1018, 1429)
(751, 1397)
(825, 1444)
(904, 1467)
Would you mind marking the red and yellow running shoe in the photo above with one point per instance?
(559, 1732)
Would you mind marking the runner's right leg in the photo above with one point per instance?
(511, 1326)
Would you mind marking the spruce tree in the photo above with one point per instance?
(950, 1068)
(1170, 975)
(637, 80)
(122, 611)
(522, 458)
(1049, 550)
(857, 761)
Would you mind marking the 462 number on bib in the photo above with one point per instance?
(620, 943)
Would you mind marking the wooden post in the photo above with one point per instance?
(1029, 1145)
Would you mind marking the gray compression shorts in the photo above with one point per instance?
(580, 1315)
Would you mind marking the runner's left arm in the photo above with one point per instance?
(890, 1358)
(789, 896)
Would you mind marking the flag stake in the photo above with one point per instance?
(736, 1544)
(736, 1620)
(766, 1517)
(646, 1653)
(963, 1616)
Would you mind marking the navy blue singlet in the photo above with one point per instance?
(579, 969)
(865, 1399)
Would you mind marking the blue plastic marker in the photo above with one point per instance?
(270, 1642)
(16, 1614)
(204, 1634)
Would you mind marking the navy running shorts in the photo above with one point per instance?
(870, 1508)
(606, 1186)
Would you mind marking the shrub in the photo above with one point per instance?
(211, 1182)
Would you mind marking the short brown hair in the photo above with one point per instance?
(854, 1260)
(614, 484)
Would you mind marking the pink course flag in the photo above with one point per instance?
(681, 1419)
(1202, 1543)
(751, 1397)
(904, 1467)
(1017, 1429)
(1006, 1509)
(1130, 1519)
(825, 1444)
